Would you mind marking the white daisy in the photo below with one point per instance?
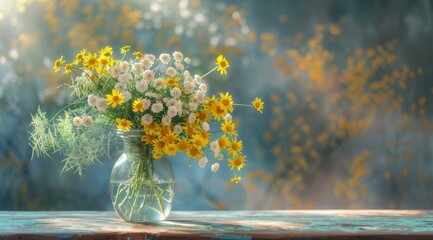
(148, 75)
(177, 129)
(158, 83)
(200, 96)
(157, 107)
(147, 119)
(197, 79)
(120, 86)
(189, 87)
(115, 71)
(228, 117)
(179, 66)
(146, 102)
(178, 56)
(193, 106)
(147, 63)
(176, 93)
(215, 167)
(166, 120)
(215, 147)
(77, 121)
(191, 118)
(124, 66)
(171, 72)
(141, 86)
(205, 126)
(87, 121)
(202, 162)
(187, 60)
(164, 58)
(124, 77)
(127, 96)
(91, 100)
(101, 105)
(172, 111)
(186, 74)
(151, 57)
(203, 87)
(137, 66)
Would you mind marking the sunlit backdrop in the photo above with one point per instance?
(347, 87)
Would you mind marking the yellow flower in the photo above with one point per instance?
(125, 49)
(237, 162)
(227, 101)
(68, 68)
(158, 145)
(90, 61)
(171, 149)
(58, 63)
(138, 55)
(173, 82)
(157, 154)
(189, 129)
(106, 52)
(198, 141)
(170, 138)
(194, 152)
(115, 98)
(105, 61)
(203, 116)
(182, 145)
(151, 128)
(222, 64)
(138, 106)
(147, 138)
(228, 127)
(235, 147)
(223, 141)
(258, 104)
(218, 110)
(235, 179)
(79, 57)
(123, 124)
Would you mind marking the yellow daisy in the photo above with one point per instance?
(157, 154)
(182, 145)
(158, 145)
(198, 141)
(58, 63)
(235, 147)
(223, 141)
(151, 128)
(90, 61)
(148, 138)
(123, 124)
(138, 106)
(258, 104)
(228, 127)
(106, 52)
(115, 98)
(170, 137)
(138, 55)
(194, 152)
(237, 162)
(235, 179)
(173, 82)
(68, 68)
(218, 110)
(227, 101)
(171, 149)
(222, 64)
(124, 49)
(79, 57)
(203, 116)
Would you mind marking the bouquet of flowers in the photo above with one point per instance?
(157, 96)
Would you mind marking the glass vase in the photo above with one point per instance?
(142, 188)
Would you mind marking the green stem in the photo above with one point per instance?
(209, 72)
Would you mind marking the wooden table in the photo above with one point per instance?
(316, 224)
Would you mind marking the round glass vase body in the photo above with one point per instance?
(142, 188)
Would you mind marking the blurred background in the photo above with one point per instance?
(347, 87)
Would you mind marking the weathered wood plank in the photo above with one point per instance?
(315, 224)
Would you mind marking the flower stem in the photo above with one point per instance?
(209, 72)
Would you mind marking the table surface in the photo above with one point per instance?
(314, 224)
